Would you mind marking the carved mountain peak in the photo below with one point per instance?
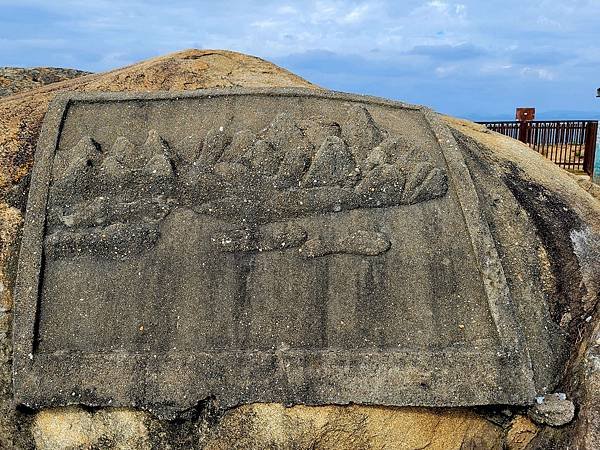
(333, 165)
(283, 132)
(215, 142)
(361, 132)
(157, 151)
(246, 175)
(316, 129)
(155, 145)
(241, 142)
(153, 156)
(79, 157)
(263, 158)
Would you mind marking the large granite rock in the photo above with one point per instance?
(365, 275)
(274, 426)
(543, 225)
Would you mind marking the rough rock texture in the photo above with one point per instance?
(21, 115)
(553, 409)
(585, 382)
(566, 219)
(590, 186)
(561, 218)
(336, 319)
(520, 433)
(273, 426)
(76, 428)
(15, 79)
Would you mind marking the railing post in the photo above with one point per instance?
(524, 116)
(523, 126)
(591, 131)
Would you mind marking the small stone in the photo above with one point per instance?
(554, 410)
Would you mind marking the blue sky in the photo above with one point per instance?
(475, 59)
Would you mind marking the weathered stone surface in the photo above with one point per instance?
(21, 115)
(587, 184)
(16, 79)
(272, 426)
(551, 207)
(586, 385)
(159, 252)
(553, 409)
(20, 122)
(521, 432)
(75, 428)
(535, 247)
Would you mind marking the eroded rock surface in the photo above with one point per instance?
(553, 409)
(76, 428)
(15, 79)
(506, 170)
(319, 290)
(353, 427)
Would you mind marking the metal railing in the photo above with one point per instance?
(569, 143)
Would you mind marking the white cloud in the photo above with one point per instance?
(542, 74)
(341, 12)
(286, 9)
(547, 22)
(447, 9)
(495, 67)
(323, 12)
(446, 70)
(356, 15)
(439, 6)
(268, 23)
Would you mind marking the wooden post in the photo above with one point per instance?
(523, 131)
(591, 131)
(524, 116)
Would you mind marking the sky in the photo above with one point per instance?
(473, 59)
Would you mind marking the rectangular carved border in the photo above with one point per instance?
(35, 387)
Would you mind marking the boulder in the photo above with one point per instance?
(545, 226)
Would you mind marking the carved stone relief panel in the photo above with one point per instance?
(258, 245)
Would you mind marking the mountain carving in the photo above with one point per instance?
(291, 168)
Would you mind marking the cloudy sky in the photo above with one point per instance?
(475, 59)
